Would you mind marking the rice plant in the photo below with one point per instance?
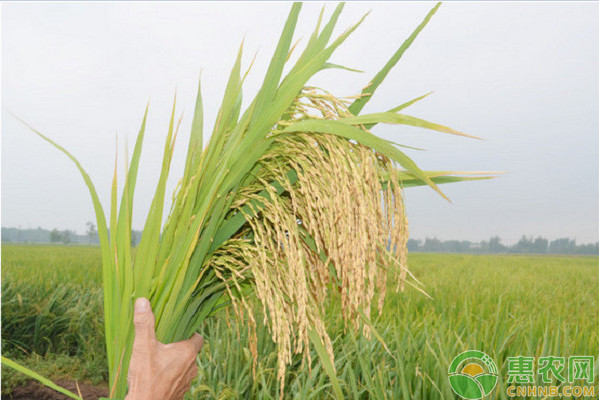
(293, 202)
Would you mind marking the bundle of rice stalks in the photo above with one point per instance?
(291, 201)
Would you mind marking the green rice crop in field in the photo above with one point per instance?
(508, 306)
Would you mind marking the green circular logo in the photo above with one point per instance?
(472, 375)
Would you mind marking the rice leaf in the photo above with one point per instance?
(326, 363)
(403, 119)
(47, 382)
(328, 65)
(369, 90)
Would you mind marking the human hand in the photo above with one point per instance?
(159, 371)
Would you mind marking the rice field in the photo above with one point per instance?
(503, 305)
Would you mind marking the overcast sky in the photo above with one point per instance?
(524, 76)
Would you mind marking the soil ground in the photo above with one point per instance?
(36, 391)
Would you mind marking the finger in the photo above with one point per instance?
(143, 319)
(191, 374)
(196, 342)
(183, 382)
(194, 371)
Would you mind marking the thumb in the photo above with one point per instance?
(196, 342)
(143, 319)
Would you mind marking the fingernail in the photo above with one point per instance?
(142, 305)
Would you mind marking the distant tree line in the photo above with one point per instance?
(526, 245)
(56, 236)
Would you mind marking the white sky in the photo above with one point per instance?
(525, 76)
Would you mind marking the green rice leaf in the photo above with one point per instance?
(328, 65)
(407, 179)
(45, 381)
(444, 179)
(107, 263)
(194, 151)
(133, 167)
(148, 247)
(369, 90)
(401, 107)
(409, 103)
(402, 119)
(275, 69)
(326, 363)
